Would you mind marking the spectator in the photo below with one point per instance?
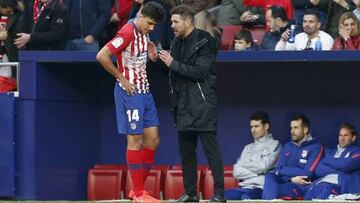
(278, 24)
(300, 7)
(266, 4)
(349, 33)
(47, 25)
(204, 20)
(335, 9)
(256, 159)
(296, 166)
(234, 12)
(306, 40)
(119, 16)
(88, 21)
(339, 169)
(196, 5)
(243, 41)
(357, 10)
(10, 25)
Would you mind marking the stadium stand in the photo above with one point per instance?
(104, 184)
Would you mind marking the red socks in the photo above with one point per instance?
(139, 165)
(147, 158)
(133, 158)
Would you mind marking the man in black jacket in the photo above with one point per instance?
(88, 22)
(193, 89)
(46, 26)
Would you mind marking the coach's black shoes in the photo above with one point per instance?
(187, 198)
(217, 198)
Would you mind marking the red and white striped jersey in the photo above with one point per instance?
(129, 47)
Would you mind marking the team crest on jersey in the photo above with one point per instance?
(117, 42)
(304, 153)
(347, 155)
(133, 126)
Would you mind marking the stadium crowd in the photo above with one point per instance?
(87, 25)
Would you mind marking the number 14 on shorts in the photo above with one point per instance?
(133, 115)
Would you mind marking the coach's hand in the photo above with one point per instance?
(166, 57)
(130, 88)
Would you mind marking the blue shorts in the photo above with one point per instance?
(134, 113)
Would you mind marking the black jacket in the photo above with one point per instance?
(94, 16)
(49, 33)
(13, 27)
(193, 83)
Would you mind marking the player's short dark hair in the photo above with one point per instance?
(8, 3)
(313, 13)
(260, 116)
(278, 12)
(184, 11)
(349, 127)
(305, 122)
(154, 11)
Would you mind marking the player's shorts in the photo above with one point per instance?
(134, 113)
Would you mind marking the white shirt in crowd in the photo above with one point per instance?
(301, 39)
(357, 13)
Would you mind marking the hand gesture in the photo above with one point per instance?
(301, 180)
(245, 16)
(344, 33)
(129, 88)
(152, 51)
(166, 57)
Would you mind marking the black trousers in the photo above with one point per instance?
(187, 144)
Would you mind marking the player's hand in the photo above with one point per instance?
(301, 180)
(152, 51)
(166, 57)
(129, 88)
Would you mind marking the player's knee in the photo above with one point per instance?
(153, 142)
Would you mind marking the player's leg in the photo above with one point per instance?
(271, 187)
(133, 158)
(129, 114)
(151, 135)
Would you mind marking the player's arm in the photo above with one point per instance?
(348, 164)
(104, 57)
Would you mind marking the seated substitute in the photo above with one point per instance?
(339, 169)
(297, 162)
(256, 159)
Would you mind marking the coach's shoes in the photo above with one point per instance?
(217, 198)
(187, 198)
